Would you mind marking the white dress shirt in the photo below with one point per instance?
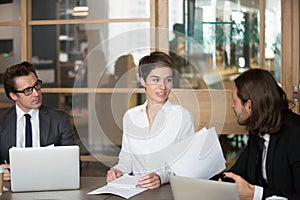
(21, 121)
(143, 146)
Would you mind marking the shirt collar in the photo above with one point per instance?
(20, 113)
(266, 137)
(166, 106)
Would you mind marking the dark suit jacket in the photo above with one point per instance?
(55, 128)
(282, 164)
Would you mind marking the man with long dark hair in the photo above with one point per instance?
(262, 107)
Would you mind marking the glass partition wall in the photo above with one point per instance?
(228, 33)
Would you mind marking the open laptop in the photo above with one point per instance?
(190, 188)
(44, 168)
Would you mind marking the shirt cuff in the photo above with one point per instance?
(122, 168)
(164, 176)
(258, 192)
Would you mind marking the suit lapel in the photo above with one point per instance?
(9, 131)
(269, 161)
(8, 127)
(44, 125)
(252, 158)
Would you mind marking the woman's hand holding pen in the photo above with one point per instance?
(150, 181)
(6, 168)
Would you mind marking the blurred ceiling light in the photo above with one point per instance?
(79, 10)
(65, 38)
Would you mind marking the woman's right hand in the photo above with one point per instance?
(112, 174)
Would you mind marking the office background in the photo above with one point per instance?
(75, 46)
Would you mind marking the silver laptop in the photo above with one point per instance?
(44, 168)
(190, 188)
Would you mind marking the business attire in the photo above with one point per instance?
(282, 165)
(143, 146)
(54, 128)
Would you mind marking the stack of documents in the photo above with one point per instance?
(200, 156)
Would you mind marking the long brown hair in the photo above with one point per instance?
(269, 103)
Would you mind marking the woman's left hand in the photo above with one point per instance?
(150, 181)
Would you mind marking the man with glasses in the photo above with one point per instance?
(29, 123)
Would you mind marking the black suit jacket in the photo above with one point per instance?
(283, 160)
(55, 128)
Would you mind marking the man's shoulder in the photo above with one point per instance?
(7, 116)
(292, 123)
(6, 111)
(293, 117)
(51, 110)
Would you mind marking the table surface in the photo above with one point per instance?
(87, 184)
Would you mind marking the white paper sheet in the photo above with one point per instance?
(123, 192)
(125, 181)
(201, 156)
(125, 186)
(5, 189)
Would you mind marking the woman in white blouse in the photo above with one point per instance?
(149, 129)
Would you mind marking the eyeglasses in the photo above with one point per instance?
(28, 91)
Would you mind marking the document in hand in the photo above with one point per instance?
(201, 156)
(125, 186)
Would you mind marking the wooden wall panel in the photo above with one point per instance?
(290, 47)
(211, 108)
